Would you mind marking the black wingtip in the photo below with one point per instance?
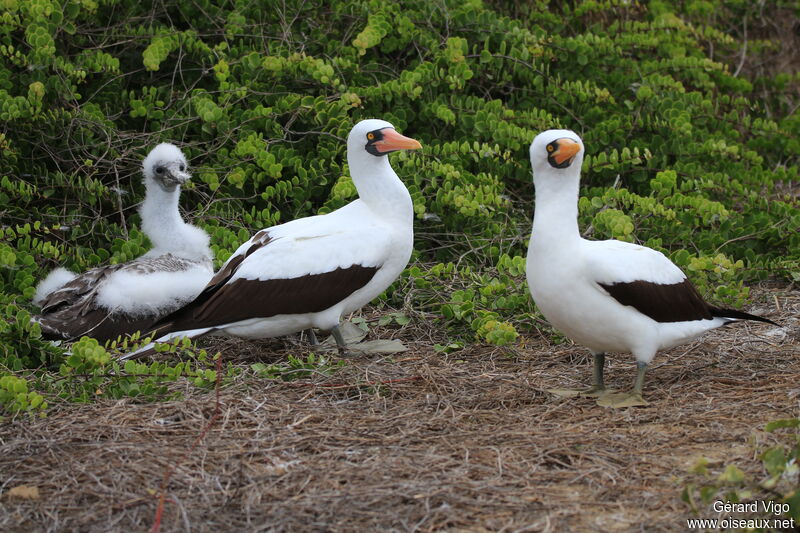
(741, 315)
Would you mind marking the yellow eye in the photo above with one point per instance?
(550, 148)
(370, 136)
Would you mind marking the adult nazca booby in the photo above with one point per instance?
(309, 272)
(113, 300)
(609, 296)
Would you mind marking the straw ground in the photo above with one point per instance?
(418, 441)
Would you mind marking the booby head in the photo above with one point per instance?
(556, 149)
(166, 166)
(378, 138)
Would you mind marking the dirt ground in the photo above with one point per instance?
(417, 441)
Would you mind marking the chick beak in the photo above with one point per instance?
(179, 177)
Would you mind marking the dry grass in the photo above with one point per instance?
(466, 441)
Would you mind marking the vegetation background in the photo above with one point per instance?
(688, 111)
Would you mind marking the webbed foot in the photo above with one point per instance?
(618, 400)
(593, 391)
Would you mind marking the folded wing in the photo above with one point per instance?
(646, 280)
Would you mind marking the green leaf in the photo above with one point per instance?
(783, 423)
(732, 474)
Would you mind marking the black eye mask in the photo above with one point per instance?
(377, 135)
(551, 159)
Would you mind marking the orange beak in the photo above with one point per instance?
(567, 148)
(394, 141)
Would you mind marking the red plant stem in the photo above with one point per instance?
(168, 474)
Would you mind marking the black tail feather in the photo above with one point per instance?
(741, 315)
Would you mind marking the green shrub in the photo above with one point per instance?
(684, 153)
(15, 397)
(297, 367)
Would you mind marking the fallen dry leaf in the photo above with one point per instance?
(23, 492)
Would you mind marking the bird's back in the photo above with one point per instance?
(113, 300)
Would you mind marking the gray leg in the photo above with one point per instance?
(312, 337)
(598, 386)
(638, 385)
(599, 364)
(337, 335)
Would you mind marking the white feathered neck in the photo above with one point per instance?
(161, 218)
(377, 184)
(555, 217)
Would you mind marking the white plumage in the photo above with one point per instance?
(609, 296)
(112, 300)
(308, 272)
(53, 281)
(155, 293)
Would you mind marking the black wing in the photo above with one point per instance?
(224, 303)
(675, 302)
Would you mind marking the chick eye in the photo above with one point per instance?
(370, 136)
(182, 168)
(159, 170)
(550, 148)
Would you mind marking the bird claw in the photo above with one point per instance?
(595, 392)
(343, 351)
